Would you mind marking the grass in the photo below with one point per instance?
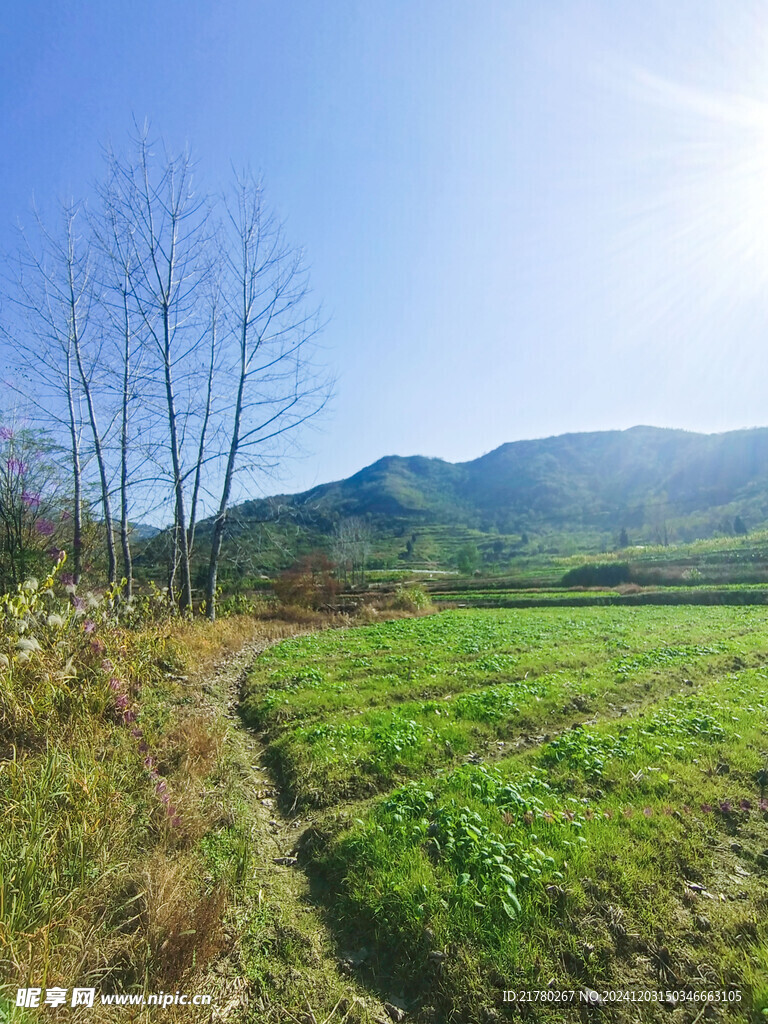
(351, 715)
(542, 794)
(117, 785)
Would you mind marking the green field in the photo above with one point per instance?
(549, 799)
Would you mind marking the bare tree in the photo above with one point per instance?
(180, 352)
(164, 227)
(271, 326)
(61, 352)
(351, 547)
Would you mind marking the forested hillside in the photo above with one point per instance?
(587, 491)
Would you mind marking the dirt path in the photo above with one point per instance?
(283, 964)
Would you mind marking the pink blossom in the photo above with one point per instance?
(88, 625)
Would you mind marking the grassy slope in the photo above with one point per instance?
(627, 853)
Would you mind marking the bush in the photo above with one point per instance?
(409, 599)
(609, 575)
(309, 583)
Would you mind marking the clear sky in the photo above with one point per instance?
(523, 218)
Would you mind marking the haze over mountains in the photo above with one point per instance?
(570, 492)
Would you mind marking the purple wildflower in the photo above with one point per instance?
(149, 762)
(648, 812)
(121, 701)
(136, 733)
(6, 433)
(161, 786)
(78, 604)
(143, 747)
(726, 806)
(89, 625)
(107, 665)
(97, 647)
(115, 684)
(67, 579)
(628, 812)
(65, 515)
(31, 499)
(706, 808)
(55, 553)
(129, 717)
(176, 821)
(45, 527)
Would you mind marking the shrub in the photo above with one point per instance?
(609, 575)
(409, 599)
(309, 583)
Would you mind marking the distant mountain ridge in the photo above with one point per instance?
(655, 484)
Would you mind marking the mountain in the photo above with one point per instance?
(579, 491)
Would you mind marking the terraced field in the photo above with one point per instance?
(568, 803)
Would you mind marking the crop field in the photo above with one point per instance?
(552, 801)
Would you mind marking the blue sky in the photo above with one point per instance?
(522, 218)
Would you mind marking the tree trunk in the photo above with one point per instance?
(124, 538)
(182, 543)
(221, 517)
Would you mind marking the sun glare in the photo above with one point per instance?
(713, 189)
